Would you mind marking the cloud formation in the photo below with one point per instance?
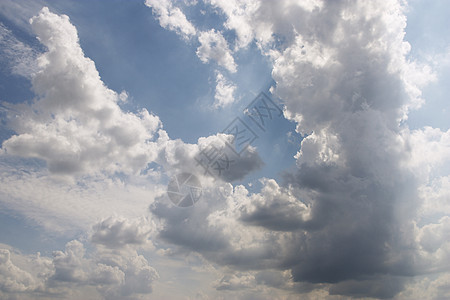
(364, 213)
(213, 46)
(224, 95)
(76, 125)
(171, 17)
(342, 221)
(110, 273)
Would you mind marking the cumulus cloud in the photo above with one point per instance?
(224, 91)
(214, 47)
(77, 127)
(343, 219)
(12, 278)
(235, 282)
(365, 210)
(76, 124)
(238, 18)
(105, 272)
(118, 232)
(171, 17)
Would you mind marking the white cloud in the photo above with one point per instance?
(12, 278)
(430, 152)
(171, 17)
(235, 282)
(119, 232)
(224, 91)
(238, 14)
(213, 46)
(67, 207)
(435, 195)
(436, 287)
(106, 273)
(76, 125)
(364, 211)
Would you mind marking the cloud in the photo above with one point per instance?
(436, 287)
(70, 265)
(12, 278)
(118, 232)
(214, 47)
(210, 158)
(224, 91)
(171, 17)
(274, 208)
(363, 212)
(344, 219)
(345, 89)
(109, 273)
(76, 155)
(235, 282)
(76, 124)
(238, 14)
(68, 207)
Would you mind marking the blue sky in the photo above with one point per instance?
(102, 102)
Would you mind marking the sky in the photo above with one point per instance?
(212, 149)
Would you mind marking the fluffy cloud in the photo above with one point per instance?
(235, 282)
(176, 157)
(347, 88)
(76, 124)
(118, 232)
(78, 128)
(110, 273)
(224, 91)
(213, 46)
(12, 278)
(171, 17)
(365, 210)
(344, 219)
(238, 18)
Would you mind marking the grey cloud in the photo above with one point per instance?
(130, 275)
(242, 165)
(70, 265)
(342, 222)
(182, 224)
(382, 287)
(341, 70)
(12, 278)
(119, 232)
(235, 282)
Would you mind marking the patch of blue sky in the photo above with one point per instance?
(25, 235)
(427, 32)
(14, 88)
